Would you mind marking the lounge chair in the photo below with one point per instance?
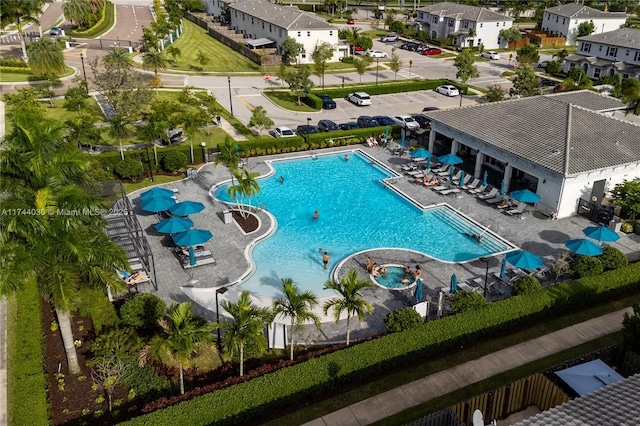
(471, 185)
(443, 169)
(517, 210)
(456, 177)
(449, 191)
(439, 188)
(495, 200)
(136, 278)
(489, 194)
(478, 190)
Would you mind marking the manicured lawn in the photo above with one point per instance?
(10, 77)
(61, 114)
(221, 58)
(288, 101)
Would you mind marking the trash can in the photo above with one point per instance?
(614, 225)
(228, 216)
(192, 173)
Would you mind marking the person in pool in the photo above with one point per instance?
(316, 215)
(383, 271)
(374, 270)
(325, 259)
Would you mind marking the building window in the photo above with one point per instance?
(435, 19)
(625, 76)
(299, 33)
(465, 24)
(449, 22)
(596, 72)
(600, 48)
(557, 18)
(586, 47)
(504, 24)
(627, 54)
(308, 33)
(480, 24)
(251, 21)
(479, 41)
(263, 25)
(280, 32)
(497, 24)
(303, 54)
(330, 33)
(636, 56)
(612, 51)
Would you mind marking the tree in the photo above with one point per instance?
(511, 35)
(296, 306)
(526, 285)
(155, 60)
(229, 156)
(46, 58)
(82, 131)
(631, 94)
(247, 327)
(586, 28)
(495, 93)
(361, 65)
(260, 120)
(118, 58)
(528, 54)
(246, 187)
(553, 68)
(281, 73)
(561, 55)
(350, 299)
(77, 11)
(463, 301)
(291, 50)
(46, 88)
(107, 372)
(391, 16)
(299, 82)
(202, 59)
(627, 196)
(321, 54)
(352, 36)
(560, 266)
(174, 52)
(192, 120)
(395, 64)
(76, 99)
(20, 13)
(464, 62)
(526, 82)
(631, 328)
(183, 335)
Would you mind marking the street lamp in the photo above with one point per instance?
(84, 73)
(230, 100)
(204, 156)
(221, 290)
(343, 81)
(377, 69)
(486, 276)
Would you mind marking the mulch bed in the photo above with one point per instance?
(248, 224)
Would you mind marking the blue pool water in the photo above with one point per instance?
(357, 212)
(394, 277)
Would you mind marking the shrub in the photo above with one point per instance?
(93, 303)
(627, 226)
(586, 266)
(117, 342)
(347, 60)
(13, 62)
(173, 160)
(397, 27)
(145, 381)
(464, 301)
(402, 319)
(143, 311)
(129, 168)
(526, 285)
(554, 68)
(612, 258)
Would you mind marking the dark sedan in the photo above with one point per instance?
(327, 102)
(422, 120)
(366, 121)
(383, 120)
(327, 126)
(306, 129)
(349, 126)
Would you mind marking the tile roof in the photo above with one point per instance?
(576, 10)
(622, 37)
(615, 404)
(535, 129)
(289, 17)
(466, 12)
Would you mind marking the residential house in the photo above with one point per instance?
(563, 21)
(612, 53)
(468, 26)
(565, 147)
(269, 24)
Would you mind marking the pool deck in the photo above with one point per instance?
(533, 232)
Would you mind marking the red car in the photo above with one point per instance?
(358, 48)
(431, 51)
(350, 21)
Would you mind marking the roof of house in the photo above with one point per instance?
(622, 37)
(579, 11)
(289, 17)
(536, 129)
(466, 12)
(615, 404)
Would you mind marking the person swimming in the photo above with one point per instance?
(346, 157)
(316, 215)
(281, 179)
(325, 260)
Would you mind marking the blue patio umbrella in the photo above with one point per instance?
(502, 187)
(386, 132)
(156, 192)
(192, 263)
(525, 196)
(420, 153)
(450, 159)
(402, 139)
(428, 166)
(462, 178)
(584, 247)
(484, 178)
(451, 170)
(186, 208)
(173, 225)
(192, 237)
(454, 283)
(418, 292)
(157, 204)
(523, 259)
(503, 269)
(601, 234)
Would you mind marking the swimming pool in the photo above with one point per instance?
(393, 279)
(356, 212)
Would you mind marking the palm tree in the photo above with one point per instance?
(118, 58)
(192, 120)
(247, 327)
(78, 11)
(183, 335)
(47, 59)
(246, 187)
(350, 299)
(229, 156)
(174, 51)
(296, 306)
(155, 60)
(20, 12)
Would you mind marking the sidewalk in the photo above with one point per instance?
(443, 382)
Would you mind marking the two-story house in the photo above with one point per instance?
(468, 26)
(611, 53)
(266, 23)
(563, 21)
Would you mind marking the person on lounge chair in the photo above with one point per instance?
(135, 278)
(433, 181)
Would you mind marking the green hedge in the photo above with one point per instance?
(105, 23)
(392, 87)
(26, 382)
(110, 159)
(262, 395)
(15, 70)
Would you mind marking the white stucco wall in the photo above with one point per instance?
(566, 27)
(309, 39)
(487, 33)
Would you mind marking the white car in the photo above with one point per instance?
(448, 90)
(283, 132)
(377, 54)
(389, 38)
(543, 64)
(406, 121)
(359, 98)
(491, 55)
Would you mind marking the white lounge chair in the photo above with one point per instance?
(449, 191)
(478, 190)
(489, 194)
(495, 200)
(517, 210)
(443, 169)
(471, 185)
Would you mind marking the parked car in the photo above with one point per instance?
(55, 31)
(430, 108)
(327, 126)
(350, 21)
(410, 45)
(327, 101)
(306, 129)
(366, 121)
(560, 88)
(547, 82)
(358, 48)
(384, 120)
(406, 121)
(448, 90)
(431, 51)
(348, 126)
(377, 54)
(422, 120)
(283, 132)
(389, 38)
(494, 56)
(543, 64)
(359, 98)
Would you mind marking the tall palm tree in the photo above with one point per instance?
(350, 298)
(183, 335)
(296, 306)
(174, 51)
(246, 188)
(118, 58)
(192, 120)
(229, 156)
(47, 59)
(247, 327)
(78, 11)
(19, 13)
(155, 60)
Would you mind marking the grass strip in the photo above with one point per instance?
(106, 22)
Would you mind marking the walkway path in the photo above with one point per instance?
(443, 382)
